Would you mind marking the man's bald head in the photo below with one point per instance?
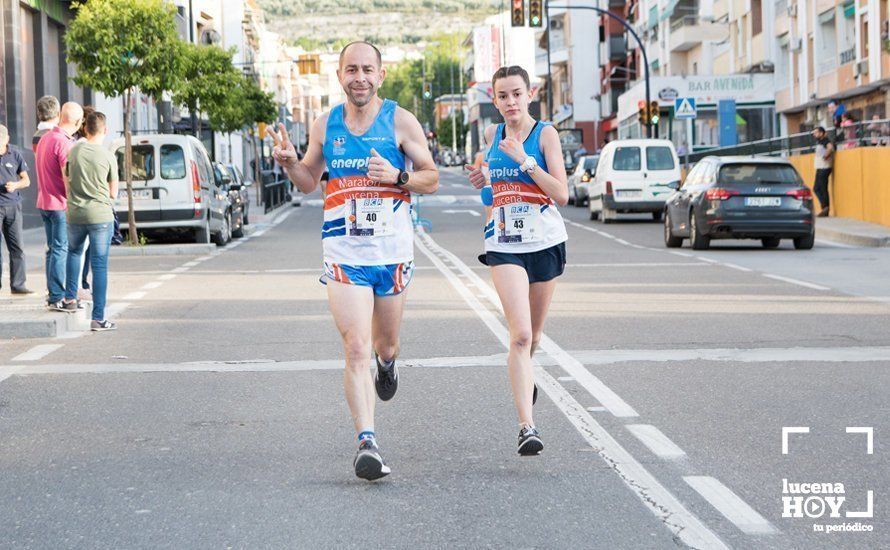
(72, 114)
(358, 44)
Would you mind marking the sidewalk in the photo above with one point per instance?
(853, 232)
(27, 316)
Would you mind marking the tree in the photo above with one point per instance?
(209, 79)
(243, 105)
(443, 130)
(124, 46)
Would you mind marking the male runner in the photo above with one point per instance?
(368, 234)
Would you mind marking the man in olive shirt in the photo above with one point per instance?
(91, 181)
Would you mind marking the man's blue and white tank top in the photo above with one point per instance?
(365, 223)
(523, 217)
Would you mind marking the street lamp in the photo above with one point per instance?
(624, 23)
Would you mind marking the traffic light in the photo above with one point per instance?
(427, 90)
(535, 13)
(643, 113)
(518, 13)
(654, 113)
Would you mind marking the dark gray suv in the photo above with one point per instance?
(740, 198)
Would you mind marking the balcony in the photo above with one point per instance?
(847, 56)
(691, 30)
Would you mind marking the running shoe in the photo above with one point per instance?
(63, 306)
(530, 443)
(368, 463)
(102, 326)
(386, 381)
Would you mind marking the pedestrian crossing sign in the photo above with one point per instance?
(684, 107)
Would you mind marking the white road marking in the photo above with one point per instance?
(167, 277)
(152, 285)
(730, 505)
(179, 270)
(467, 211)
(138, 295)
(737, 267)
(796, 282)
(660, 445)
(190, 264)
(588, 381)
(566, 379)
(37, 352)
(684, 525)
(857, 354)
(259, 233)
(203, 258)
(6, 372)
(596, 409)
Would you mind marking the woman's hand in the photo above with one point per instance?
(513, 149)
(477, 176)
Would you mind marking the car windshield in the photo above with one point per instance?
(759, 174)
(659, 158)
(172, 162)
(590, 163)
(143, 165)
(626, 158)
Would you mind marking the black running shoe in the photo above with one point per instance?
(530, 443)
(368, 462)
(386, 381)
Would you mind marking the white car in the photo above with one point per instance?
(633, 176)
(580, 178)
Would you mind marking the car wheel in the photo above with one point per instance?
(239, 232)
(771, 242)
(225, 233)
(656, 216)
(246, 215)
(594, 215)
(579, 202)
(670, 241)
(699, 241)
(805, 243)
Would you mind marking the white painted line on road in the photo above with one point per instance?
(259, 233)
(37, 352)
(6, 372)
(660, 445)
(596, 409)
(572, 366)
(709, 260)
(282, 217)
(643, 264)
(179, 270)
(681, 254)
(152, 285)
(566, 378)
(167, 277)
(203, 258)
(138, 295)
(190, 264)
(795, 282)
(730, 505)
(737, 267)
(673, 515)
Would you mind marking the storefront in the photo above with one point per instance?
(753, 95)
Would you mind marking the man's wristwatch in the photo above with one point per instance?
(403, 178)
(528, 165)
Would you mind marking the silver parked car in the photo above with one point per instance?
(580, 178)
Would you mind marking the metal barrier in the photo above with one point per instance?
(869, 133)
(276, 189)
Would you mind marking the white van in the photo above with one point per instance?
(174, 188)
(633, 175)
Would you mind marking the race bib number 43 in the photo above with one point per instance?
(370, 217)
(519, 223)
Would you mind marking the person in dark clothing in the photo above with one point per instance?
(823, 163)
(13, 177)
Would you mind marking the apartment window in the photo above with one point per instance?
(756, 17)
(827, 40)
(783, 62)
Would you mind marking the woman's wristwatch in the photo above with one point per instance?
(528, 165)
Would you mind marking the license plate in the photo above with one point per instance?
(137, 194)
(629, 194)
(763, 201)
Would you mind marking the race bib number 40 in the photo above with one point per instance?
(519, 223)
(370, 217)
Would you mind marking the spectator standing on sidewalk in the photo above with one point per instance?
(47, 118)
(52, 155)
(13, 176)
(823, 163)
(91, 179)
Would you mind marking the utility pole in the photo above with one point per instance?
(194, 116)
(453, 114)
(549, 72)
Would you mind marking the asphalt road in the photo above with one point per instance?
(214, 417)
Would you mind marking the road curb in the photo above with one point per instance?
(851, 237)
(46, 324)
(163, 250)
